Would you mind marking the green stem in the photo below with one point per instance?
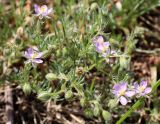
(156, 85)
(136, 105)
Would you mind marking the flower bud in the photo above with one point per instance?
(26, 88)
(88, 112)
(64, 51)
(79, 71)
(106, 115)
(68, 94)
(119, 5)
(20, 31)
(124, 62)
(94, 6)
(44, 96)
(58, 53)
(82, 102)
(96, 111)
(59, 24)
(51, 76)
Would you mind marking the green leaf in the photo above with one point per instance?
(27, 88)
(68, 94)
(44, 96)
(96, 111)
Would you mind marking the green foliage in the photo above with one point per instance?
(71, 64)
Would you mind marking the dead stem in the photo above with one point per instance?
(9, 105)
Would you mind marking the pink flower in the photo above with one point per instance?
(42, 11)
(102, 47)
(142, 89)
(98, 40)
(33, 56)
(121, 92)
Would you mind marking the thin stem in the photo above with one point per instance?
(136, 105)
(156, 86)
(119, 56)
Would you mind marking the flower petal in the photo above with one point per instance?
(116, 87)
(36, 9)
(106, 44)
(98, 39)
(147, 90)
(123, 85)
(142, 94)
(27, 55)
(123, 100)
(45, 13)
(50, 10)
(116, 93)
(108, 51)
(44, 7)
(130, 93)
(104, 55)
(35, 48)
(136, 86)
(30, 50)
(99, 47)
(113, 52)
(38, 61)
(39, 55)
(143, 84)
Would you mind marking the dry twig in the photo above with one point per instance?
(9, 105)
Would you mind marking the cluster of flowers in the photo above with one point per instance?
(102, 47)
(123, 94)
(32, 54)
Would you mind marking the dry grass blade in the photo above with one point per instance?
(9, 105)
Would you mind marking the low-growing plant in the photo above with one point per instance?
(70, 52)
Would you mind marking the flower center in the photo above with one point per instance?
(100, 41)
(33, 55)
(141, 89)
(121, 92)
(103, 49)
(43, 9)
